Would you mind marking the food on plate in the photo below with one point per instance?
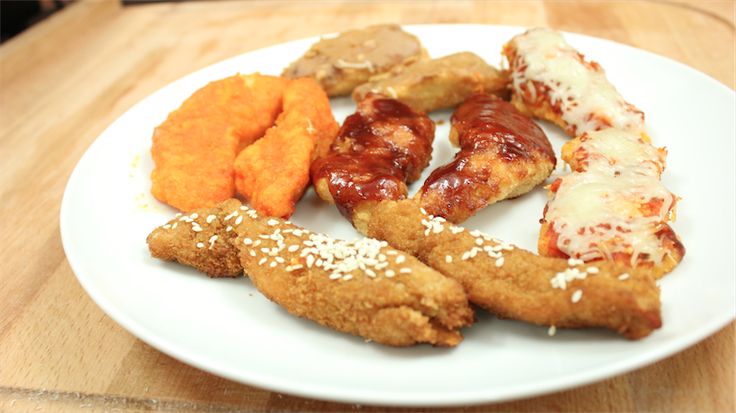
(194, 148)
(341, 63)
(438, 83)
(273, 172)
(551, 80)
(517, 284)
(613, 205)
(201, 239)
(362, 287)
(378, 150)
(503, 154)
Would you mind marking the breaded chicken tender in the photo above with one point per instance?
(438, 83)
(503, 154)
(201, 239)
(273, 172)
(516, 284)
(342, 63)
(194, 148)
(363, 287)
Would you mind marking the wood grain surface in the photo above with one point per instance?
(66, 79)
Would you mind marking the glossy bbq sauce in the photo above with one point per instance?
(377, 151)
(484, 123)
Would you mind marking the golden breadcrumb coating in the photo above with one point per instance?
(200, 239)
(516, 284)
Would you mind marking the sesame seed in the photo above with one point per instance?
(200, 245)
(310, 260)
(239, 220)
(465, 256)
(197, 228)
(262, 261)
(252, 253)
(178, 214)
(573, 262)
(273, 264)
(174, 225)
(370, 272)
(167, 226)
(400, 259)
(479, 241)
(347, 277)
(256, 243)
(210, 218)
(244, 208)
(231, 215)
(624, 276)
(229, 228)
(335, 275)
(576, 296)
(279, 260)
(247, 241)
(390, 273)
(456, 230)
(272, 222)
(212, 240)
(423, 211)
(499, 262)
(448, 258)
(194, 216)
(293, 248)
(552, 331)
(405, 270)
(391, 252)
(592, 270)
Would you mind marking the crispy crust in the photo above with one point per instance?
(176, 241)
(520, 288)
(273, 172)
(421, 306)
(194, 148)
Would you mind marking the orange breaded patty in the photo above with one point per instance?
(195, 147)
(273, 172)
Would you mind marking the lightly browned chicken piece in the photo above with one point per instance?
(363, 287)
(503, 154)
(378, 150)
(194, 148)
(342, 63)
(445, 82)
(517, 284)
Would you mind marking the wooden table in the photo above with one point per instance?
(65, 80)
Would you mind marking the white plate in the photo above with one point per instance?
(226, 327)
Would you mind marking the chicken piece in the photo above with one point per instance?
(201, 239)
(516, 284)
(342, 63)
(273, 172)
(613, 206)
(363, 287)
(379, 149)
(194, 148)
(551, 80)
(438, 83)
(503, 154)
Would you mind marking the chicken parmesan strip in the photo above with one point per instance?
(273, 172)
(445, 82)
(362, 287)
(378, 150)
(551, 80)
(516, 284)
(613, 205)
(194, 148)
(503, 154)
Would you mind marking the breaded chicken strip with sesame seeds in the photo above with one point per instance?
(363, 287)
(201, 239)
(517, 284)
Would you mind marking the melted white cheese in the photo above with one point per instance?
(621, 151)
(587, 99)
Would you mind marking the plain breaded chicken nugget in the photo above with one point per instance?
(194, 148)
(517, 284)
(273, 172)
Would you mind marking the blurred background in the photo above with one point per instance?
(18, 15)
